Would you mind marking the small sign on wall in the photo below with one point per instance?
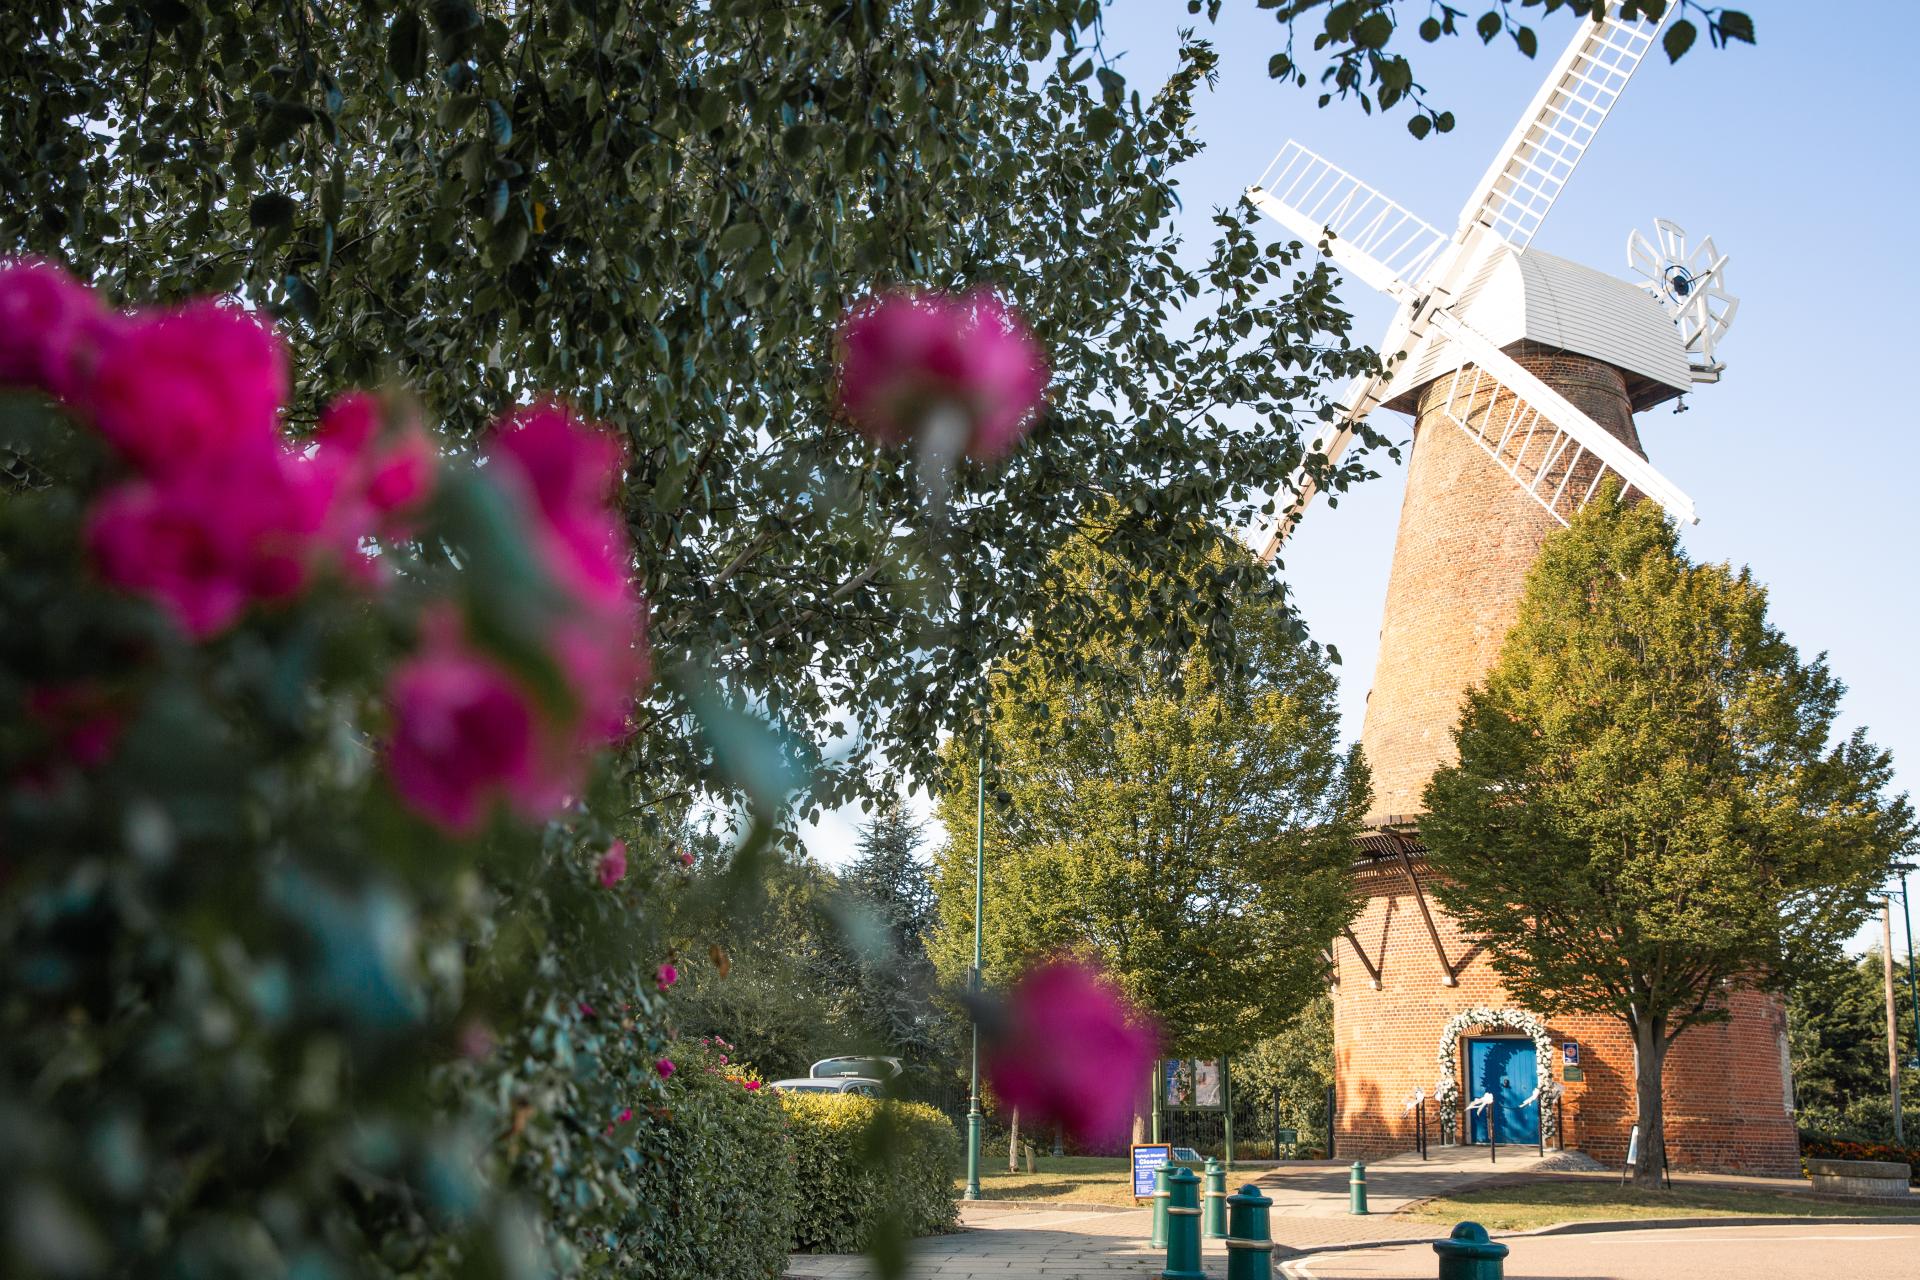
(1570, 1053)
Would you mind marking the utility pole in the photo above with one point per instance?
(1913, 980)
(979, 909)
(1893, 1019)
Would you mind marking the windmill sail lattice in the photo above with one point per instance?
(1521, 186)
(1556, 454)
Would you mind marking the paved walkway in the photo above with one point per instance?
(1009, 1242)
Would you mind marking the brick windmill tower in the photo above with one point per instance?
(1522, 372)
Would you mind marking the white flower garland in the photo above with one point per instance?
(1447, 1091)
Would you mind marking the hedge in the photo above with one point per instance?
(861, 1162)
(713, 1177)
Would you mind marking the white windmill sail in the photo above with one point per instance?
(1521, 185)
(1378, 241)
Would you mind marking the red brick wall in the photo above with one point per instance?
(1467, 537)
(1725, 1093)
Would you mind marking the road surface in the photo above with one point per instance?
(1803, 1250)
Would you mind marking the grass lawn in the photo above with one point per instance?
(1542, 1204)
(1081, 1179)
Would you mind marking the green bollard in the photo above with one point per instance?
(1467, 1254)
(1214, 1217)
(1183, 1226)
(1357, 1188)
(1249, 1238)
(1160, 1206)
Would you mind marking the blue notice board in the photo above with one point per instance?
(1146, 1158)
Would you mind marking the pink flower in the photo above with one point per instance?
(1071, 1052)
(205, 543)
(686, 858)
(613, 864)
(173, 388)
(907, 357)
(385, 474)
(586, 1010)
(664, 1067)
(463, 731)
(665, 977)
(750, 1085)
(567, 472)
(563, 474)
(723, 1059)
(624, 1116)
(83, 724)
(50, 327)
(477, 1041)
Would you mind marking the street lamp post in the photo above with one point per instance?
(979, 910)
(1913, 982)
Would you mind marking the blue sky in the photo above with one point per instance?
(1796, 155)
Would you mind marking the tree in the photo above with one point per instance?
(1649, 807)
(888, 894)
(661, 212)
(1294, 1068)
(1837, 1036)
(1196, 847)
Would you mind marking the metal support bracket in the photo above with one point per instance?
(1449, 973)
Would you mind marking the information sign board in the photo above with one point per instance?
(1148, 1156)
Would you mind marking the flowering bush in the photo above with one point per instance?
(277, 715)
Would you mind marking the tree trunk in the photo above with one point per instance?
(1013, 1144)
(1649, 1063)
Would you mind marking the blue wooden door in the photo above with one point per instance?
(1506, 1069)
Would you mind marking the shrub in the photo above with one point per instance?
(865, 1166)
(714, 1177)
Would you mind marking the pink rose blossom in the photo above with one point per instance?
(384, 476)
(564, 473)
(50, 327)
(463, 732)
(173, 388)
(624, 1116)
(613, 864)
(204, 544)
(907, 357)
(567, 472)
(665, 977)
(686, 858)
(664, 1067)
(1071, 1052)
(723, 1059)
(750, 1085)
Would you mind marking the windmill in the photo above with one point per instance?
(1523, 371)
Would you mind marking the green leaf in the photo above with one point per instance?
(499, 125)
(1528, 43)
(1419, 126)
(407, 47)
(1735, 25)
(1488, 26)
(1678, 39)
(270, 211)
(739, 238)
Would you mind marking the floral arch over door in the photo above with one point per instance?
(1447, 1091)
